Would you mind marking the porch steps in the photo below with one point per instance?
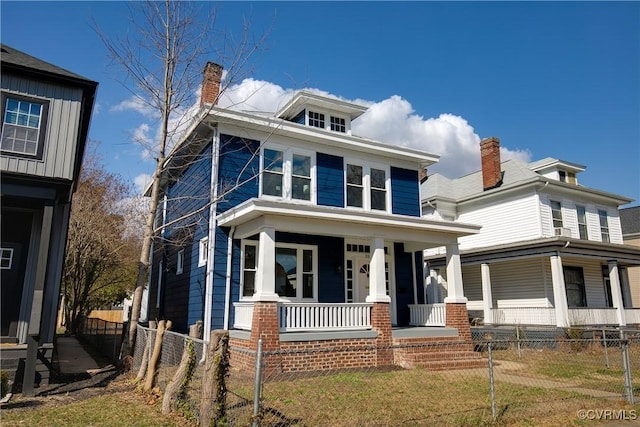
(436, 354)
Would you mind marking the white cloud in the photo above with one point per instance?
(141, 182)
(137, 104)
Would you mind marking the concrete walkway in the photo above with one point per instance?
(73, 359)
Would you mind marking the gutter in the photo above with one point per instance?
(227, 297)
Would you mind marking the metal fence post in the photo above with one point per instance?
(606, 351)
(492, 390)
(258, 385)
(626, 366)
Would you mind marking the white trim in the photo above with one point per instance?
(287, 172)
(180, 262)
(203, 251)
(8, 257)
(366, 184)
(213, 185)
(159, 287)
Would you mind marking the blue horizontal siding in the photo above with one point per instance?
(237, 156)
(405, 192)
(330, 180)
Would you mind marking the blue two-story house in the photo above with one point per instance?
(288, 228)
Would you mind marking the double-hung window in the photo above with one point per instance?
(23, 125)
(366, 187)
(582, 222)
(296, 269)
(604, 225)
(556, 214)
(288, 174)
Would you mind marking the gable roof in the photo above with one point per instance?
(630, 220)
(515, 173)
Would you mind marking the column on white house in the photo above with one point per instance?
(616, 293)
(377, 279)
(559, 292)
(266, 274)
(626, 288)
(432, 287)
(455, 291)
(487, 298)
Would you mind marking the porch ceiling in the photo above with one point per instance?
(417, 233)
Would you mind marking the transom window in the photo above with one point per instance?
(582, 222)
(366, 187)
(338, 124)
(287, 174)
(604, 225)
(23, 125)
(316, 119)
(296, 269)
(556, 214)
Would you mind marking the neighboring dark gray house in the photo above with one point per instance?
(46, 112)
(630, 223)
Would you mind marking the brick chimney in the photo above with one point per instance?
(491, 170)
(211, 77)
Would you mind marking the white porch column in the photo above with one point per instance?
(616, 293)
(455, 292)
(487, 298)
(432, 287)
(266, 274)
(377, 280)
(559, 292)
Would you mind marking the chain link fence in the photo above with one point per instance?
(541, 377)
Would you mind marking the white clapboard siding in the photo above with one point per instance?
(526, 279)
(472, 282)
(510, 220)
(61, 128)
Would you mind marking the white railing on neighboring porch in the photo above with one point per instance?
(632, 316)
(593, 316)
(243, 315)
(427, 314)
(524, 316)
(296, 316)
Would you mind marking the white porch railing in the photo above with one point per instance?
(592, 316)
(427, 314)
(524, 316)
(295, 316)
(243, 315)
(632, 316)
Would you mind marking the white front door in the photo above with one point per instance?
(357, 281)
(362, 280)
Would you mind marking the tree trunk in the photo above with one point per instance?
(152, 370)
(176, 388)
(214, 387)
(145, 360)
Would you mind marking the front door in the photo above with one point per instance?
(357, 281)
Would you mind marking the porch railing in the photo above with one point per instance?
(243, 315)
(524, 316)
(296, 316)
(427, 314)
(632, 316)
(592, 316)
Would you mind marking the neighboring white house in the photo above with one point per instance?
(550, 251)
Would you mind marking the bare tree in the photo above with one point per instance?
(163, 60)
(99, 259)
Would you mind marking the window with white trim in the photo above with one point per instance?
(367, 187)
(23, 125)
(203, 252)
(316, 119)
(338, 124)
(288, 174)
(581, 211)
(556, 213)
(296, 268)
(604, 225)
(6, 258)
(180, 262)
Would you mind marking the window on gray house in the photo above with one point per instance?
(582, 222)
(604, 225)
(23, 125)
(556, 214)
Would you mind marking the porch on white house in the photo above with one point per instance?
(557, 283)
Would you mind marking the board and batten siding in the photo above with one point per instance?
(61, 132)
(510, 220)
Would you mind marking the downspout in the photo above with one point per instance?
(227, 297)
(211, 238)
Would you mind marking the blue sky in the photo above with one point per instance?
(550, 79)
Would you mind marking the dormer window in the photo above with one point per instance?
(338, 124)
(563, 176)
(316, 119)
